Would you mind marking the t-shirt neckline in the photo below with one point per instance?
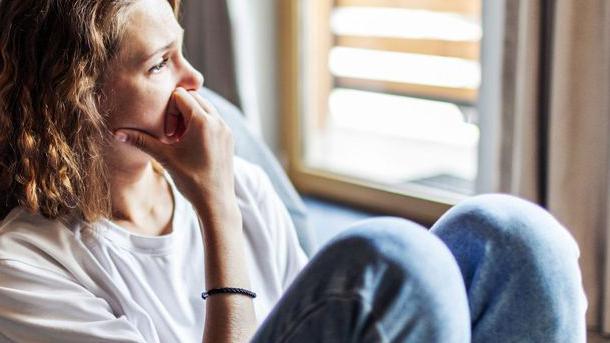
(152, 245)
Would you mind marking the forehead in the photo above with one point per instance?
(150, 25)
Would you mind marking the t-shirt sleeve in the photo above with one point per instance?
(38, 305)
(290, 257)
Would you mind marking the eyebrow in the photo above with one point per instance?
(165, 47)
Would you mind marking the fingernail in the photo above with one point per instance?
(121, 137)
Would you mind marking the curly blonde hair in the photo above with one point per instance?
(52, 56)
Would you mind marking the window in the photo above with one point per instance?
(380, 101)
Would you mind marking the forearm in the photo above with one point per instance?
(229, 317)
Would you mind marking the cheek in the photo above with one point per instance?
(141, 107)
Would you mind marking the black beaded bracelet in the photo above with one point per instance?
(234, 290)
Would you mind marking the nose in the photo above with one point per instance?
(191, 78)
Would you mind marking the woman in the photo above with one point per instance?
(99, 243)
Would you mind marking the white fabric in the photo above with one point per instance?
(94, 283)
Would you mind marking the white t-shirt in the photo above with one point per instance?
(102, 283)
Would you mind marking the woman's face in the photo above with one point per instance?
(141, 80)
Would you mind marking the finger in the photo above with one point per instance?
(172, 117)
(187, 106)
(143, 141)
(204, 103)
(171, 123)
(180, 129)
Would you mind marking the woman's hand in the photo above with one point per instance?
(197, 151)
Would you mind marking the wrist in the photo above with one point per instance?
(219, 217)
(220, 211)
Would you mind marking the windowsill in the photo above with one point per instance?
(396, 140)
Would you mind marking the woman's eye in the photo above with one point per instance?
(157, 68)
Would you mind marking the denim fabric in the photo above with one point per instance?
(493, 269)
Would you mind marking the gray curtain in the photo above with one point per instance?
(209, 45)
(555, 125)
(233, 42)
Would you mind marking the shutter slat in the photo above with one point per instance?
(456, 6)
(464, 96)
(465, 50)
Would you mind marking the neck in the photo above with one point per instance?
(142, 201)
(131, 190)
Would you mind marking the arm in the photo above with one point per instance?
(230, 318)
(197, 151)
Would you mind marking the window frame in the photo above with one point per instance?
(422, 205)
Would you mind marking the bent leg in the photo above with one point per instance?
(520, 267)
(383, 280)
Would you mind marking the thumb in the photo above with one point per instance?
(141, 140)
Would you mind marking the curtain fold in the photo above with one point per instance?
(555, 125)
(519, 158)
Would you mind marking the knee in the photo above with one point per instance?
(389, 239)
(503, 242)
(391, 276)
(400, 268)
(504, 221)
(400, 249)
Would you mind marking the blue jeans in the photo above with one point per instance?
(494, 268)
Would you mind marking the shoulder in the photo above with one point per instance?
(32, 240)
